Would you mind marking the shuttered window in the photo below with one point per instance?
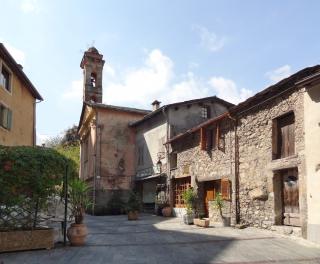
(5, 117)
(283, 136)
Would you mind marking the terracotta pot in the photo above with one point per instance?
(77, 234)
(166, 211)
(133, 215)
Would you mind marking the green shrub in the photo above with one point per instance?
(190, 198)
(134, 203)
(115, 205)
(28, 176)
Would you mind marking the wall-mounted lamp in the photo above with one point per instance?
(159, 166)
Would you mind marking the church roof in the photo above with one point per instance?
(111, 107)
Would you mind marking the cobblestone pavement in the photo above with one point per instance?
(152, 239)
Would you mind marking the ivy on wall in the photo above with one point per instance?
(28, 176)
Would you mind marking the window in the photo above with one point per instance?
(140, 155)
(93, 78)
(283, 136)
(5, 79)
(212, 138)
(173, 160)
(205, 111)
(5, 117)
(181, 185)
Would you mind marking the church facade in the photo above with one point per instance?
(106, 140)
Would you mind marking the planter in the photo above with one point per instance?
(166, 211)
(77, 234)
(26, 240)
(222, 221)
(133, 215)
(201, 222)
(188, 219)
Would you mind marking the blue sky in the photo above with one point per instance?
(165, 50)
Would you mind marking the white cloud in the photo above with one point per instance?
(227, 89)
(42, 138)
(209, 40)
(156, 79)
(30, 6)
(17, 54)
(279, 73)
(74, 91)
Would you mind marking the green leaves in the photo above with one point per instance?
(29, 175)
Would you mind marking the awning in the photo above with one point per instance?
(150, 177)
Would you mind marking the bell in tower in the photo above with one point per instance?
(92, 65)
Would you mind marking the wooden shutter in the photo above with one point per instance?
(275, 148)
(217, 136)
(225, 189)
(203, 138)
(209, 139)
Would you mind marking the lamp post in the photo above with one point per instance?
(159, 166)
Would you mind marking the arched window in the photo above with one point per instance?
(93, 79)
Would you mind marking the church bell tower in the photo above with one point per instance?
(92, 65)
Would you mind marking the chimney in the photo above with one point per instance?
(155, 105)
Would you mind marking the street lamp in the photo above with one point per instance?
(159, 166)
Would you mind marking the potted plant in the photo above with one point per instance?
(218, 205)
(190, 197)
(79, 201)
(133, 206)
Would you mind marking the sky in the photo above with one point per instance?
(169, 50)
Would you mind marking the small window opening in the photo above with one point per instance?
(205, 112)
(93, 79)
(173, 160)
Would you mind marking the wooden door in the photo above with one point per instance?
(211, 188)
(286, 140)
(290, 191)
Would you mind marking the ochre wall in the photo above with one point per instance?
(115, 141)
(21, 103)
(312, 143)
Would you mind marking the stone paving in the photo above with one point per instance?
(153, 239)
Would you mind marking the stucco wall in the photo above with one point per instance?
(186, 116)
(116, 148)
(21, 103)
(312, 153)
(151, 136)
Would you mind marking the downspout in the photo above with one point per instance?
(94, 166)
(34, 140)
(168, 172)
(236, 171)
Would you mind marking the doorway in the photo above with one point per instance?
(211, 189)
(290, 197)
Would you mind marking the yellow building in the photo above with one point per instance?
(18, 99)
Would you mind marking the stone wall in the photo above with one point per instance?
(206, 165)
(256, 167)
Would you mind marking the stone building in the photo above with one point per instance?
(153, 161)
(18, 98)
(266, 152)
(107, 142)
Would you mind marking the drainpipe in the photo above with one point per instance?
(34, 140)
(236, 171)
(168, 172)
